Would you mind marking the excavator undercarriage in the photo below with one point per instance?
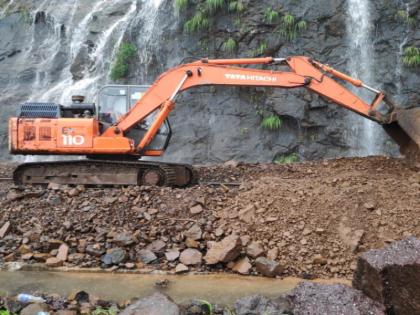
(130, 122)
(103, 172)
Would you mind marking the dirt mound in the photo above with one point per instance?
(312, 218)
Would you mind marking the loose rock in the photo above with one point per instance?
(190, 257)
(146, 256)
(255, 250)
(242, 266)
(114, 256)
(196, 209)
(268, 268)
(172, 255)
(4, 229)
(157, 304)
(181, 268)
(54, 262)
(63, 252)
(225, 251)
(194, 232)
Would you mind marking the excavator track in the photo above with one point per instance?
(105, 173)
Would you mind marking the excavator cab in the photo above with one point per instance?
(116, 100)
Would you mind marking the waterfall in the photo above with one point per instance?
(366, 136)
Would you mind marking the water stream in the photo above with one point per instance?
(218, 288)
(366, 137)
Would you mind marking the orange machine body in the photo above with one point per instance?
(63, 136)
(86, 136)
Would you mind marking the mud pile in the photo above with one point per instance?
(309, 219)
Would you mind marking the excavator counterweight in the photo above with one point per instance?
(130, 122)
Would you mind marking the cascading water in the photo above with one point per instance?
(366, 136)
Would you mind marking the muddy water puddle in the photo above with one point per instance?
(218, 288)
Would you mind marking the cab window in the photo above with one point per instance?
(136, 93)
(112, 104)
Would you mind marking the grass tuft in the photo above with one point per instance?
(229, 45)
(290, 27)
(236, 6)
(104, 311)
(181, 4)
(209, 306)
(411, 57)
(403, 16)
(287, 159)
(262, 48)
(271, 16)
(214, 5)
(272, 122)
(197, 23)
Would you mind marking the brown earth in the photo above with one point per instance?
(312, 218)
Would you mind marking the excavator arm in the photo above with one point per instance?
(304, 72)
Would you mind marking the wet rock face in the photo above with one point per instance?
(157, 304)
(335, 299)
(392, 276)
(223, 123)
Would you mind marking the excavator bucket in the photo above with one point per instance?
(405, 130)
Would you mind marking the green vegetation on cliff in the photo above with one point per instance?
(402, 15)
(120, 67)
(272, 122)
(411, 57)
(287, 159)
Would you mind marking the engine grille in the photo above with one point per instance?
(39, 110)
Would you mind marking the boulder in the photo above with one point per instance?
(190, 257)
(310, 298)
(391, 276)
(258, 304)
(268, 268)
(224, 251)
(156, 304)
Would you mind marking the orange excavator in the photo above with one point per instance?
(130, 122)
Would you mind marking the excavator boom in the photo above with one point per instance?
(127, 137)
